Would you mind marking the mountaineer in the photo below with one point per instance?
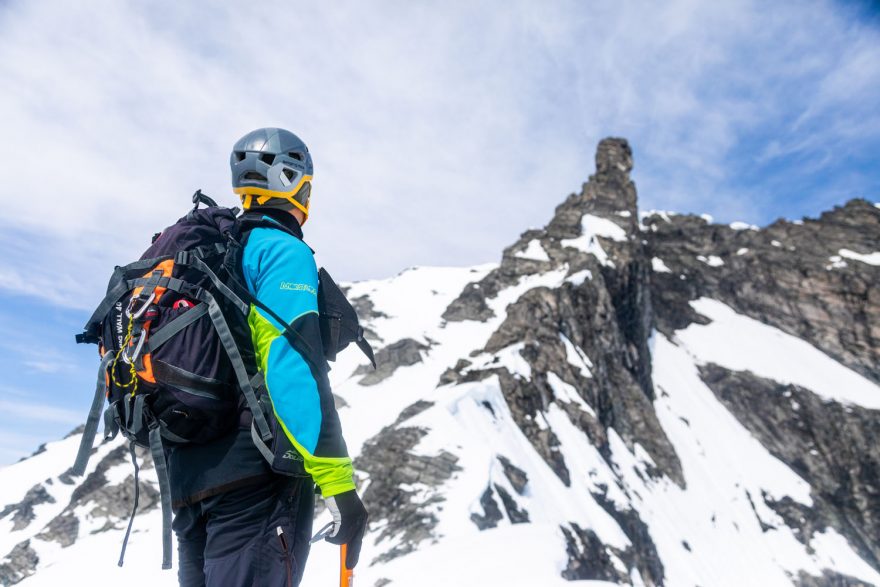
(214, 349)
(237, 522)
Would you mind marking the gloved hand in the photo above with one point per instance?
(349, 523)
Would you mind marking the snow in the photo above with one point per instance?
(481, 435)
(870, 259)
(577, 279)
(576, 357)
(509, 358)
(776, 243)
(603, 227)
(708, 218)
(664, 214)
(711, 260)
(591, 246)
(742, 251)
(722, 463)
(592, 227)
(567, 393)
(740, 343)
(659, 266)
(534, 251)
(742, 226)
(624, 213)
(836, 263)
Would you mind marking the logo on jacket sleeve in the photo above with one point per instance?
(291, 286)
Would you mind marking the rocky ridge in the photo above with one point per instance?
(622, 279)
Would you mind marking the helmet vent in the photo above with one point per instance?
(254, 176)
(295, 155)
(267, 158)
(239, 156)
(288, 173)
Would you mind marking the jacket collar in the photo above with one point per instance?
(284, 219)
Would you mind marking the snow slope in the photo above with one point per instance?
(707, 534)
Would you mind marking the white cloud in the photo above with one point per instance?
(425, 120)
(36, 411)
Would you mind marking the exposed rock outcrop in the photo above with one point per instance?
(604, 312)
(404, 487)
(24, 510)
(19, 564)
(491, 512)
(832, 446)
(829, 579)
(403, 353)
(795, 276)
(590, 559)
(517, 477)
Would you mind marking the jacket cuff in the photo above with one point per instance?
(337, 487)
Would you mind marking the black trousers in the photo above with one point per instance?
(254, 536)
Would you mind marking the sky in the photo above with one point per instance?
(440, 131)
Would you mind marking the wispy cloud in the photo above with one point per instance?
(36, 411)
(426, 119)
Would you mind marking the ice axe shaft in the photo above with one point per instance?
(346, 575)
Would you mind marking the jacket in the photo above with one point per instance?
(278, 269)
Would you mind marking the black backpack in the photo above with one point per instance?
(177, 364)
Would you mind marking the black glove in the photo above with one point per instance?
(349, 524)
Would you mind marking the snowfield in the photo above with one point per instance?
(708, 533)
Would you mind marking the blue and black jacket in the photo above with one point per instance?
(278, 269)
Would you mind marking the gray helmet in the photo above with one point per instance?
(271, 167)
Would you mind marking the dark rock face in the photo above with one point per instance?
(367, 312)
(517, 477)
(115, 501)
(112, 502)
(829, 579)
(515, 514)
(19, 564)
(491, 512)
(403, 485)
(402, 353)
(608, 317)
(63, 529)
(588, 558)
(643, 553)
(796, 276)
(24, 510)
(525, 401)
(469, 305)
(790, 275)
(832, 446)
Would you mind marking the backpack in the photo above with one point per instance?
(177, 364)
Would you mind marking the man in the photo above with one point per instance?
(237, 522)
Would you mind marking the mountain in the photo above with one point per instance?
(625, 399)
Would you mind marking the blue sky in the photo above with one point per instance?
(440, 131)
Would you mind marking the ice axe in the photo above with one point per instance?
(346, 575)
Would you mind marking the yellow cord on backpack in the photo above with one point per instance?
(125, 343)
